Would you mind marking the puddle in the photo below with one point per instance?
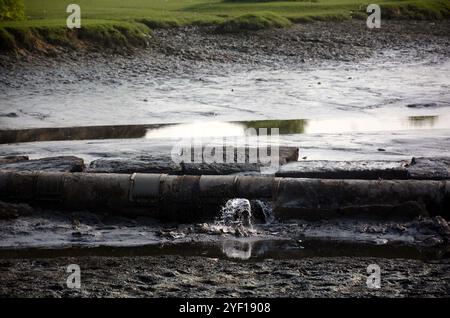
(238, 250)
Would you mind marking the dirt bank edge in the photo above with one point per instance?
(50, 40)
(38, 36)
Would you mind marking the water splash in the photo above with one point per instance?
(266, 210)
(236, 217)
(236, 212)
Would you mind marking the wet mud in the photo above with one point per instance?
(176, 276)
(306, 72)
(24, 227)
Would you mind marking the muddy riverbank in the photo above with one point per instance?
(185, 50)
(337, 91)
(343, 41)
(307, 72)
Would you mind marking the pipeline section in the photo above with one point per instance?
(189, 198)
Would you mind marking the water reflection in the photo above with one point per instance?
(370, 124)
(237, 249)
(227, 129)
(422, 121)
(289, 126)
(75, 133)
(302, 126)
(198, 129)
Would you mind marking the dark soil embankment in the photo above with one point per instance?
(117, 36)
(344, 41)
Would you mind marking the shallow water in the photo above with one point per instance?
(215, 129)
(397, 145)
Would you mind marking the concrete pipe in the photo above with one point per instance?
(318, 199)
(187, 198)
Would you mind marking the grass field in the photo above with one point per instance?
(213, 11)
(247, 14)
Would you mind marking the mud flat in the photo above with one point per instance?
(175, 276)
(344, 41)
(192, 73)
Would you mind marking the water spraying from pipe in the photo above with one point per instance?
(236, 212)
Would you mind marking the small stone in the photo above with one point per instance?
(9, 115)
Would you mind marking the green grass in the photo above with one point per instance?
(109, 20)
(41, 34)
(253, 22)
(206, 11)
(11, 10)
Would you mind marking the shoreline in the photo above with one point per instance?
(45, 30)
(350, 41)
